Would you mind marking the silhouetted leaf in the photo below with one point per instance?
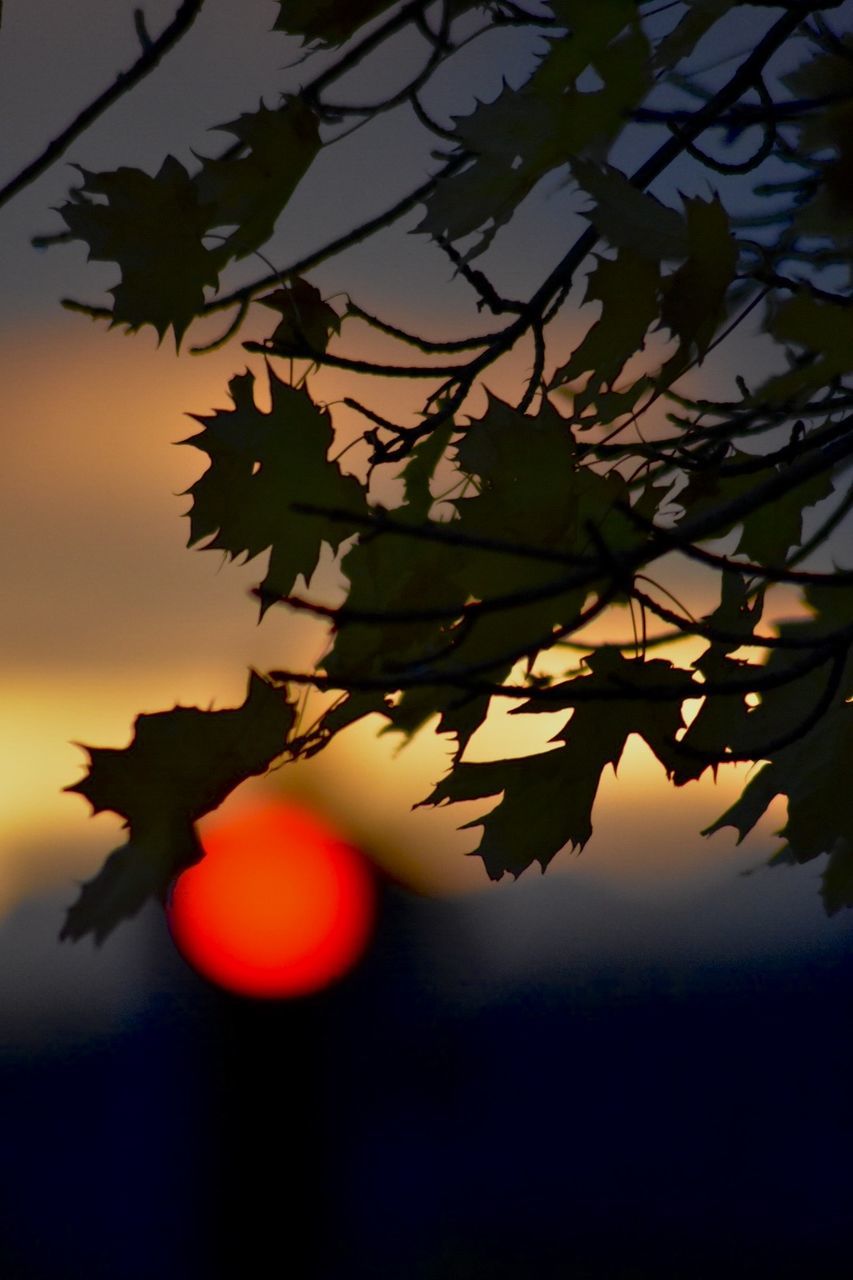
(248, 191)
(525, 133)
(630, 218)
(261, 464)
(327, 22)
(693, 297)
(153, 228)
(420, 469)
(180, 764)
(332, 22)
(531, 491)
(307, 322)
(700, 17)
(769, 532)
(722, 722)
(547, 799)
(627, 288)
(814, 774)
(389, 575)
(822, 328)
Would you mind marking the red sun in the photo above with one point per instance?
(279, 906)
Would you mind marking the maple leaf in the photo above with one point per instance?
(394, 575)
(532, 489)
(420, 469)
(307, 322)
(787, 704)
(821, 328)
(548, 798)
(391, 574)
(813, 771)
(533, 494)
(814, 775)
(827, 210)
(770, 531)
(333, 22)
(722, 721)
(327, 22)
(681, 41)
(630, 218)
(180, 764)
(261, 465)
(488, 651)
(828, 77)
(248, 191)
(153, 229)
(525, 133)
(484, 195)
(627, 288)
(693, 297)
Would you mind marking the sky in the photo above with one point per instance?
(108, 614)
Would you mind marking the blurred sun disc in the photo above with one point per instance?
(279, 906)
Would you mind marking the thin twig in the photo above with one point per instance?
(151, 56)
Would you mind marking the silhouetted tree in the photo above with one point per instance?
(574, 502)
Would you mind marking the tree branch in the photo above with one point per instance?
(152, 54)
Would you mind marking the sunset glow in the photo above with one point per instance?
(279, 906)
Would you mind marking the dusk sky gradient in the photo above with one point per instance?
(635, 1065)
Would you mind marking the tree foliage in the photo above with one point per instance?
(521, 524)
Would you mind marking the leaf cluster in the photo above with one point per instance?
(528, 530)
